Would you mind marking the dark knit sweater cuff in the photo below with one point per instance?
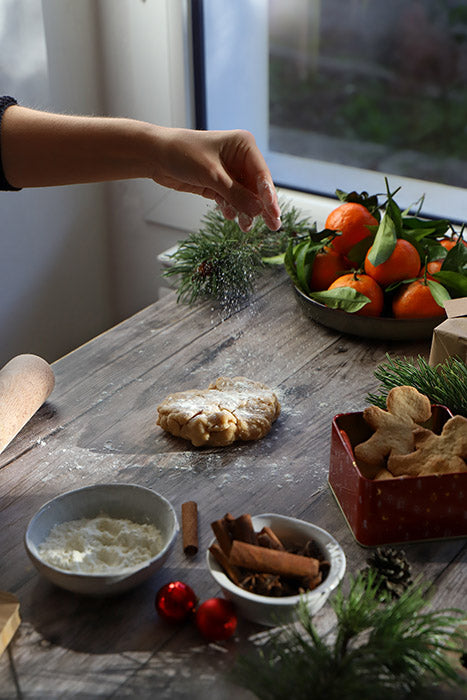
(5, 102)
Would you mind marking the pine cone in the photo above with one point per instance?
(393, 570)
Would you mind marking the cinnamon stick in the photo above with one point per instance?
(243, 530)
(190, 527)
(221, 558)
(268, 538)
(222, 532)
(312, 583)
(272, 561)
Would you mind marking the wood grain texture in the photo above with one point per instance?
(99, 426)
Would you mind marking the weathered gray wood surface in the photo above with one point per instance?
(99, 426)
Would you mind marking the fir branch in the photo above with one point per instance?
(445, 383)
(223, 262)
(386, 650)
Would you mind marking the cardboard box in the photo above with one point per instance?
(404, 509)
(450, 337)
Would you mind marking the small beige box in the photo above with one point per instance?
(450, 337)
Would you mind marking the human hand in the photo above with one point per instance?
(225, 166)
(43, 149)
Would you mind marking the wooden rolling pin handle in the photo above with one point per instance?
(26, 382)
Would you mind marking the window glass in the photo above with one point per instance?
(340, 93)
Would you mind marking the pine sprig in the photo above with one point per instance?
(222, 262)
(445, 383)
(219, 261)
(386, 650)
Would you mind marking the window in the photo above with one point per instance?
(341, 93)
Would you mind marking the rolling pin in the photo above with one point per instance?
(26, 382)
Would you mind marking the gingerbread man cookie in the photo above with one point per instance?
(393, 429)
(434, 454)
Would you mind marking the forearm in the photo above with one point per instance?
(41, 149)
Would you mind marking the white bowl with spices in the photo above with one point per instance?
(102, 540)
(270, 610)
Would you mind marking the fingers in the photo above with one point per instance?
(229, 212)
(225, 166)
(268, 197)
(250, 190)
(247, 205)
(245, 222)
(227, 209)
(271, 216)
(266, 205)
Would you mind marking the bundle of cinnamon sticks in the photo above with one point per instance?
(260, 563)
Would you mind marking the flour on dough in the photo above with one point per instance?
(229, 409)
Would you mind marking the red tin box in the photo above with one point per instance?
(394, 510)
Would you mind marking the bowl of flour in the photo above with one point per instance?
(102, 539)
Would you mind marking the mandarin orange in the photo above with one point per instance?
(431, 268)
(365, 285)
(402, 264)
(327, 266)
(449, 243)
(415, 300)
(352, 220)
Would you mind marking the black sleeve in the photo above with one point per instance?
(5, 102)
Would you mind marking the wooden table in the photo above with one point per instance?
(99, 426)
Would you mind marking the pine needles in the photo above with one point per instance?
(222, 262)
(446, 383)
(389, 649)
(220, 266)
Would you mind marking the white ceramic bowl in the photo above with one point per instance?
(270, 611)
(129, 501)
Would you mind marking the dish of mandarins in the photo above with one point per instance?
(376, 271)
(381, 328)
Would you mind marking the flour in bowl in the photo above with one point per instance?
(100, 545)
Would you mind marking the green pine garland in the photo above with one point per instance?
(222, 262)
(390, 650)
(445, 383)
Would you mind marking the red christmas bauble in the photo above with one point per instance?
(175, 601)
(216, 619)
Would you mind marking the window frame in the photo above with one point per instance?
(249, 110)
